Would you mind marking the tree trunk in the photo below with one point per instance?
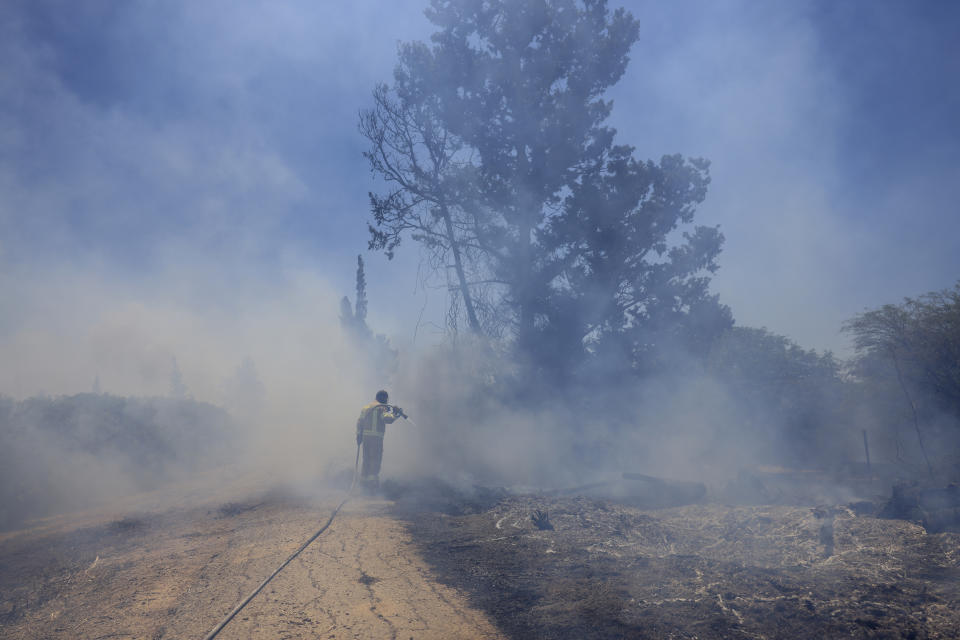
(525, 288)
(461, 277)
(913, 409)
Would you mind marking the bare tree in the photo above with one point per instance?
(420, 158)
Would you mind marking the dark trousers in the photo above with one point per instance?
(372, 456)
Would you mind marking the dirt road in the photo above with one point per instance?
(177, 573)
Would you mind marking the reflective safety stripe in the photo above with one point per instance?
(376, 413)
(370, 423)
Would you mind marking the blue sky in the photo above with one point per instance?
(204, 154)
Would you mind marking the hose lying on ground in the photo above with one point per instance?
(240, 606)
(217, 629)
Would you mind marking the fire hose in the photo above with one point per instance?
(239, 607)
(250, 597)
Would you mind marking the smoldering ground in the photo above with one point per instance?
(707, 424)
(466, 431)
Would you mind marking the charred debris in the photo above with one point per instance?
(935, 508)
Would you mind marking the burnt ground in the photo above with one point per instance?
(433, 562)
(608, 570)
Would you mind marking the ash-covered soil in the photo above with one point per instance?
(606, 570)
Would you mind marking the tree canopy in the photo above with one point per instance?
(494, 144)
(919, 340)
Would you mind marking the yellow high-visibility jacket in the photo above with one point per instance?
(374, 419)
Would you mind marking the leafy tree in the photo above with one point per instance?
(353, 318)
(494, 142)
(914, 348)
(72, 451)
(794, 397)
(361, 307)
(622, 289)
(920, 338)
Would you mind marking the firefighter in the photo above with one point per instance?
(371, 426)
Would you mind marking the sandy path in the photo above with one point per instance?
(175, 575)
